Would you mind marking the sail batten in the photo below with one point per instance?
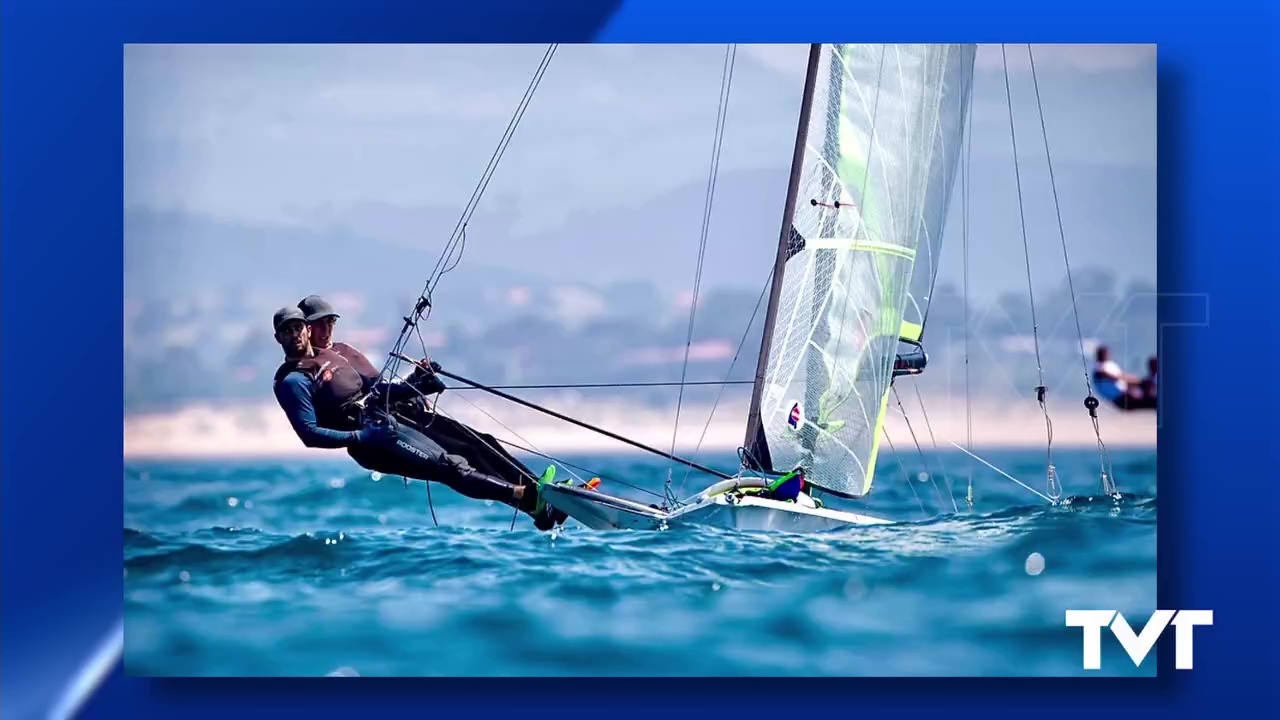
(876, 162)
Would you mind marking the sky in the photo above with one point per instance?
(390, 140)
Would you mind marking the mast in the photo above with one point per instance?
(784, 241)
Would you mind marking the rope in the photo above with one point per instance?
(905, 476)
(430, 503)
(903, 411)
(1055, 490)
(435, 409)
(573, 386)
(1007, 475)
(964, 198)
(516, 511)
(588, 471)
(928, 425)
(568, 465)
(1091, 402)
(726, 84)
(588, 426)
(741, 342)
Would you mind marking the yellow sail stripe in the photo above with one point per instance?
(866, 245)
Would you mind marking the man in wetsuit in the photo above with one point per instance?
(333, 402)
(481, 450)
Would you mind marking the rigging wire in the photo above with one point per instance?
(975, 456)
(903, 411)
(520, 470)
(1091, 402)
(1055, 489)
(610, 385)
(1005, 474)
(726, 84)
(529, 448)
(945, 477)
(457, 239)
(905, 475)
(966, 158)
(434, 409)
(745, 334)
(567, 464)
(459, 230)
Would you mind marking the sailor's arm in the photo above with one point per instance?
(294, 397)
(395, 391)
(426, 379)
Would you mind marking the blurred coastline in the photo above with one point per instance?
(252, 430)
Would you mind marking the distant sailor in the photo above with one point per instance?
(1149, 382)
(1123, 390)
(321, 391)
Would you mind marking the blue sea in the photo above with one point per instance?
(318, 568)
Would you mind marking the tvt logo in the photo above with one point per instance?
(1184, 622)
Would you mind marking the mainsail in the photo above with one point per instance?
(877, 151)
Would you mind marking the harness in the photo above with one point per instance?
(339, 386)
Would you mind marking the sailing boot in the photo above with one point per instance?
(546, 517)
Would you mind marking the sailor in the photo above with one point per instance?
(1149, 382)
(321, 391)
(322, 318)
(1121, 389)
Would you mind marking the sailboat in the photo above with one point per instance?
(875, 160)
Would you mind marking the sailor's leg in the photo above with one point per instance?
(433, 463)
(1143, 402)
(412, 454)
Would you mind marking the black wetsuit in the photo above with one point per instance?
(1136, 402)
(387, 436)
(1144, 399)
(445, 451)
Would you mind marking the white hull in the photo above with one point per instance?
(599, 511)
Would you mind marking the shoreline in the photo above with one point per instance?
(260, 430)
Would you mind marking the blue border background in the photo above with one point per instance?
(61, 272)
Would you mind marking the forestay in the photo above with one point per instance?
(880, 155)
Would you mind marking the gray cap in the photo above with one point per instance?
(285, 314)
(315, 307)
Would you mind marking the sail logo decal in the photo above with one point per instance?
(796, 418)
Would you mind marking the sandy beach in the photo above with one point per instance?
(261, 430)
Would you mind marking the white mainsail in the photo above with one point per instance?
(880, 153)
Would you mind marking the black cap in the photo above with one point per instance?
(285, 314)
(315, 307)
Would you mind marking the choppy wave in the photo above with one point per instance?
(304, 569)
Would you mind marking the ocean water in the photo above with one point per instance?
(316, 568)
